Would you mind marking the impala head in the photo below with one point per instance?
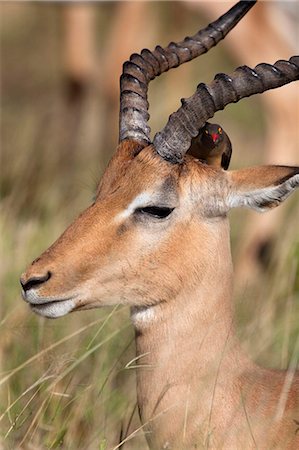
(159, 218)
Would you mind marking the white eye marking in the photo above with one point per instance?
(141, 200)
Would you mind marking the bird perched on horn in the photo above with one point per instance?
(212, 145)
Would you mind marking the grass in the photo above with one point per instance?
(69, 381)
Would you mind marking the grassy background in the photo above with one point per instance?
(70, 383)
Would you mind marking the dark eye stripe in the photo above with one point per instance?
(159, 212)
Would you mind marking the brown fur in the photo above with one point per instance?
(198, 389)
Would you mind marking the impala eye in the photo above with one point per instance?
(160, 212)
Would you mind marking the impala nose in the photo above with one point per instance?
(34, 281)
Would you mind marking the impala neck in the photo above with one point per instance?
(181, 344)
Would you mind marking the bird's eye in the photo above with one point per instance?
(160, 212)
(220, 130)
(206, 131)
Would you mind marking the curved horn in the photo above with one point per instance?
(144, 67)
(175, 138)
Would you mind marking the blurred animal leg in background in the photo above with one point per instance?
(81, 111)
(251, 44)
(79, 57)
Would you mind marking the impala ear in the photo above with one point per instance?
(261, 188)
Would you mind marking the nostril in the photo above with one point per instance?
(35, 281)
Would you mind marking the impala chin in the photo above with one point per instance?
(54, 309)
(50, 307)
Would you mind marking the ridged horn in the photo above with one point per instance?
(144, 67)
(174, 140)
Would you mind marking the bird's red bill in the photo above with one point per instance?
(215, 136)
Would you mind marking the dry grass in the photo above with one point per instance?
(66, 383)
